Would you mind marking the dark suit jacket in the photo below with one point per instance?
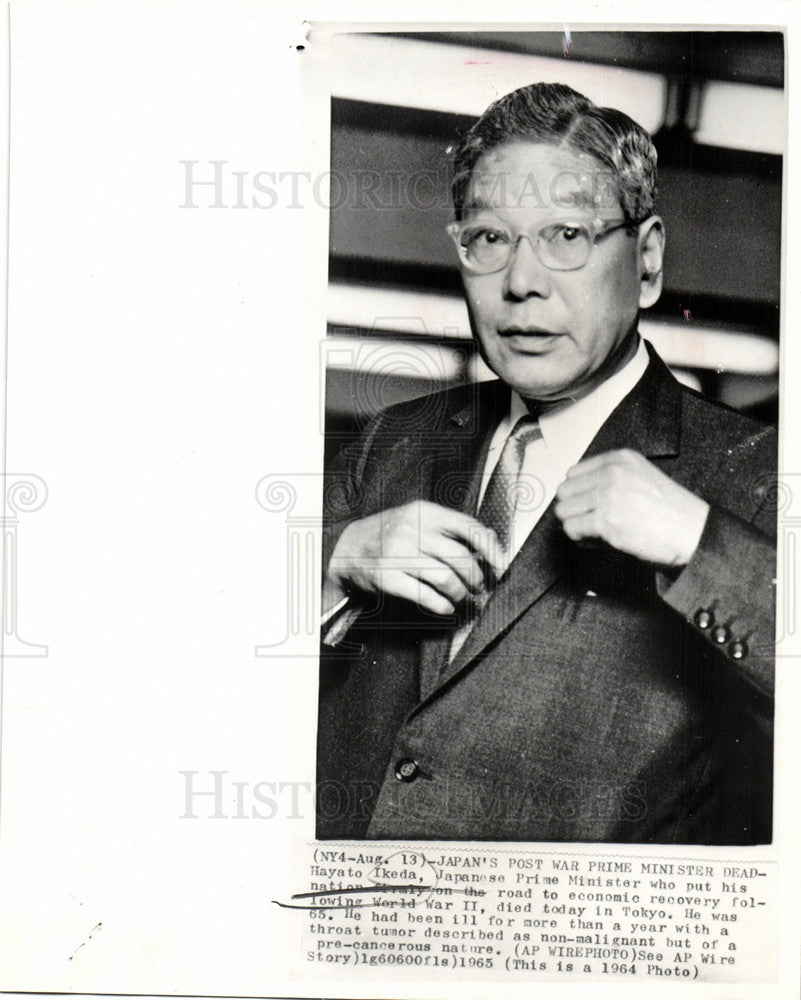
(597, 698)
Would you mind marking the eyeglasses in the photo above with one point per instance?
(485, 247)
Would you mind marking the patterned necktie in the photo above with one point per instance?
(497, 509)
(502, 495)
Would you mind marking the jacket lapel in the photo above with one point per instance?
(648, 421)
(464, 439)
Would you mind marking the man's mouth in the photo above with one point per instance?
(529, 339)
(526, 331)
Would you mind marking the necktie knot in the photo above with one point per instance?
(526, 430)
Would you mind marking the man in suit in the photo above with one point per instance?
(551, 597)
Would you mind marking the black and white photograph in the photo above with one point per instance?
(549, 548)
(402, 500)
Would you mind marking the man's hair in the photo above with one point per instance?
(557, 114)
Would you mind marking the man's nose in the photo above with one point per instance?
(526, 275)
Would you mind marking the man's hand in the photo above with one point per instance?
(623, 499)
(431, 555)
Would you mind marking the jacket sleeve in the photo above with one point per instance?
(343, 500)
(342, 504)
(727, 592)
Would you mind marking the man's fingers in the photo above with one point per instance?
(478, 536)
(413, 589)
(582, 526)
(577, 484)
(459, 558)
(441, 578)
(435, 574)
(582, 481)
(573, 506)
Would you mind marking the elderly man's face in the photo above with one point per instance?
(550, 333)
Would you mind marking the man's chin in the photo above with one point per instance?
(541, 384)
(544, 394)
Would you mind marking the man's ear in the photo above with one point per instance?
(650, 255)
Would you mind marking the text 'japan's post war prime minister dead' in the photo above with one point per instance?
(550, 597)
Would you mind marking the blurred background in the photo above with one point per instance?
(714, 103)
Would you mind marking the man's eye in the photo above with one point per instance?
(564, 234)
(485, 237)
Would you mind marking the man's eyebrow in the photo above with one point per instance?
(578, 198)
(476, 204)
(582, 199)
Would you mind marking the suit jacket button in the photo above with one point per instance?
(720, 634)
(737, 650)
(704, 618)
(406, 769)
